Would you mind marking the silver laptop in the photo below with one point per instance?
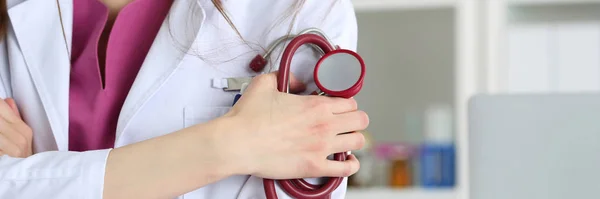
(539, 146)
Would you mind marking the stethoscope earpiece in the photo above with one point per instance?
(258, 63)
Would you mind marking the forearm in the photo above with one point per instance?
(170, 165)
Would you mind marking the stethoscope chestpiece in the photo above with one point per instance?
(340, 73)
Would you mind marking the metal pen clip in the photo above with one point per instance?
(232, 83)
(236, 83)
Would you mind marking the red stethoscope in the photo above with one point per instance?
(338, 73)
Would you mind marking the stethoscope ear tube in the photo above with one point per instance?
(290, 50)
(259, 62)
(299, 188)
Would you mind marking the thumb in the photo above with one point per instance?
(296, 86)
(13, 106)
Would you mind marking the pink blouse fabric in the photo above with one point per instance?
(94, 110)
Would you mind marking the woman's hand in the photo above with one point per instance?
(267, 134)
(15, 135)
(285, 136)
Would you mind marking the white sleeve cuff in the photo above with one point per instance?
(92, 173)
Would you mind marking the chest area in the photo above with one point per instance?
(193, 94)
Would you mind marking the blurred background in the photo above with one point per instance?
(426, 58)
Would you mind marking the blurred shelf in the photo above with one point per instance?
(549, 2)
(380, 5)
(415, 193)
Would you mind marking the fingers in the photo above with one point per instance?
(15, 133)
(296, 86)
(341, 105)
(15, 138)
(347, 142)
(7, 112)
(345, 122)
(8, 147)
(13, 105)
(331, 105)
(270, 80)
(346, 168)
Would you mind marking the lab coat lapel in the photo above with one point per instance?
(171, 44)
(37, 26)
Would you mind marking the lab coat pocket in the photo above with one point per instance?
(200, 114)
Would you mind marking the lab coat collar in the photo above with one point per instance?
(37, 26)
(173, 42)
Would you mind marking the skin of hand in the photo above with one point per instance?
(15, 135)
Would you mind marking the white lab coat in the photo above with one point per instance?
(172, 90)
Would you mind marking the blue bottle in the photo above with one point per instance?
(438, 152)
(438, 165)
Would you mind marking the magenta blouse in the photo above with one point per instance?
(94, 109)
